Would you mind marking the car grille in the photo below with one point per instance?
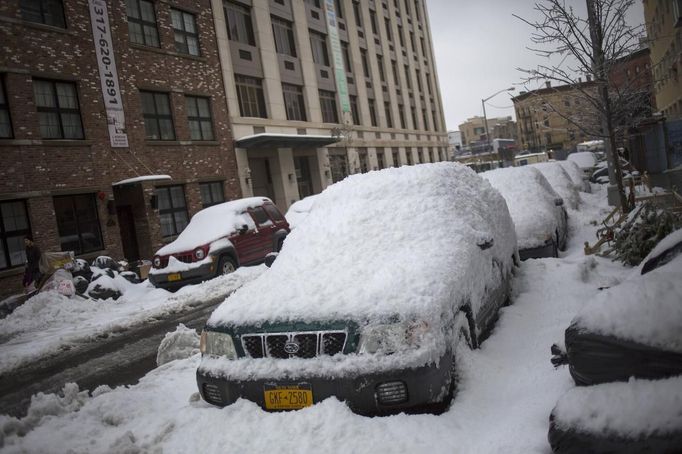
(212, 394)
(294, 345)
(185, 258)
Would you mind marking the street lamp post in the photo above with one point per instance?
(485, 117)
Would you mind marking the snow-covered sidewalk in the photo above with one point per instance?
(49, 322)
(507, 392)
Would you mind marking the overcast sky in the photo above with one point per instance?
(478, 46)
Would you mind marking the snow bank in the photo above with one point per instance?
(400, 241)
(179, 344)
(584, 159)
(530, 199)
(638, 408)
(645, 309)
(213, 223)
(561, 182)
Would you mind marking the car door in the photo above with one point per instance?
(247, 244)
(265, 231)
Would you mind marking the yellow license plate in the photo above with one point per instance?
(292, 397)
(174, 277)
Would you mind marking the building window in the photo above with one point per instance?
(78, 223)
(318, 43)
(364, 161)
(380, 64)
(401, 112)
(293, 102)
(387, 112)
(338, 163)
(408, 80)
(396, 157)
(372, 112)
(48, 12)
(420, 156)
(58, 109)
(426, 119)
(408, 156)
(14, 226)
(389, 36)
(211, 193)
(284, 37)
(199, 118)
(239, 26)
(373, 21)
(401, 38)
(354, 109)
(337, 8)
(158, 120)
(394, 68)
(346, 57)
(328, 105)
(172, 210)
(419, 80)
(380, 158)
(5, 122)
(185, 32)
(413, 111)
(142, 23)
(250, 96)
(357, 13)
(365, 63)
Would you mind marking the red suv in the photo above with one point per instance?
(218, 240)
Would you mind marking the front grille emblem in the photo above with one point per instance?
(291, 347)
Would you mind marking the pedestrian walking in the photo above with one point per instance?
(32, 273)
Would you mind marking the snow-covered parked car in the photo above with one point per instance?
(371, 297)
(561, 182)
(299, 210)
(586, 161)
(537, 210)
(218, 240)
(579, 179)
(633, 329)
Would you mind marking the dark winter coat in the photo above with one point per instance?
(32, 265)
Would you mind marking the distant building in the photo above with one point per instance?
(473, 130)
(455, 141)
(542, 117)
(664, 28)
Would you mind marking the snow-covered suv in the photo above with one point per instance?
(219, 239)
(371, 297)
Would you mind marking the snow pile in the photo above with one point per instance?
(584, 159)
(638, 408)
(213, 223)
(298, 211)
(561, 182)
(400, 241)
(644, 309)
(179, 344)
(530, 199)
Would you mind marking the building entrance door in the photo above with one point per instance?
(261, 178)
(126, 225)
(303, 177)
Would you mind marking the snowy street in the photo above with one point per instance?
(506, 393)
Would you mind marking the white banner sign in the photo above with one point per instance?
(337, 56)
(99, 18)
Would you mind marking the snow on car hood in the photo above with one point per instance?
(397, 242)
(299, 210)
(561, 182)
(584, 159)
(212, 223)
(574, 172)
(644, 309)
(530, 199)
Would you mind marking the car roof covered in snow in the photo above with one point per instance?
(213, 223)
(584, 159)
(644, 308)
(530, 199)
(396, 242)
(574, 172)
(299, 210)
(561, 182)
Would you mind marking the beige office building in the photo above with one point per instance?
(284, 63)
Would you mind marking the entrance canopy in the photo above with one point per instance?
(269, 140)
(141, 178)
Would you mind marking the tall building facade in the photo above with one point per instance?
(320, 89)
(664, 29)
(114, 127)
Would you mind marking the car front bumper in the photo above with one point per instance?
(196, 275)
(372, 393)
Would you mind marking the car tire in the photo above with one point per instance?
(280, 243)
(226, 265)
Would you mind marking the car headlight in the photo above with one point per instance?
(199, 253)
(217, 344)
(157, 262)
(392, 337)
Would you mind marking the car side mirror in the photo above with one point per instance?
(485, 244)
(244, 229)
(558, 201)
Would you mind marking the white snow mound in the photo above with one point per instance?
(179, 344)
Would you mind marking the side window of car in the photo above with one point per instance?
(260, 216)
(274, 213)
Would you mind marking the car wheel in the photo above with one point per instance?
(280, 243)
(226, 265)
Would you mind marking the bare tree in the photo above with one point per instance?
(593, 44)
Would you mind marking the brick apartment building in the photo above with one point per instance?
(59, 121)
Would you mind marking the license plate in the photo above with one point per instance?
(174, 277)
(290, 397)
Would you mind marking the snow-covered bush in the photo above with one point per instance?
(640, 235)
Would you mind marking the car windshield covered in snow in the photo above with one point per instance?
(535, 208)
(561, 182)
(383, 276)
